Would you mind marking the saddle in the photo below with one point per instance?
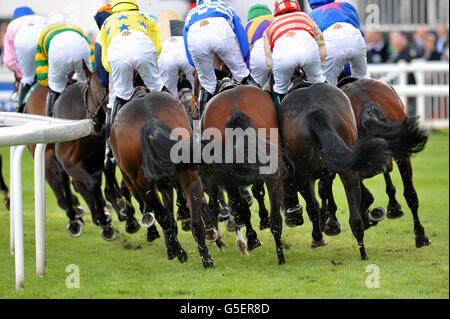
(346, 80)
(224, 85)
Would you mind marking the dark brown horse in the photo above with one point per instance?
(319, 134)
(246, 109)
(83, 159)
(380, 113)
(141, 144)
(55, 174)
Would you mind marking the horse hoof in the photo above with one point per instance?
(230, 225)
(224, 212)
(79, 211)
(152, 234)
(208, 264)
(182, 256)
(422, 241)
(122, 215)
(294, 216)
(75, 228)
(186, 225)
(171, 253)
(281, 261)
(211, 235)
(395, 211)
(332, 227)
(316, 244)
(147, 220)
(264, 224)
(108, 215)
(109, 233)
(377, 214)
(132, 226)
(252, 244)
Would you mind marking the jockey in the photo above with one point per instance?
(102, 14)
(213, 27)
(173, 58)
(131, 41)
(62, 49)
(343, 36)
(293, 40)
(259, 17)
(20, 43)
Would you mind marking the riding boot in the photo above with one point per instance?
(166, 89)
(249, 80)
(23, 90)
(205, 96)
(110, 116)
(51, 98)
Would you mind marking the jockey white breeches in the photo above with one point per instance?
(344, 43)
(215, 36)
(295, 49)
(66, 53)
(25, 45)
(173, 59)
(258, 65)
(129, 51)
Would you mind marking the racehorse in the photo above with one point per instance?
(380, 113)
(3, 186)
(319, 134)
(248, 109)
(55, 174)
(141, 144)
(83, 159)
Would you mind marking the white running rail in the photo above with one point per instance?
(431, 89)
(25, 130)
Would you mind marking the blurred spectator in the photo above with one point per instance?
(3, 27)
(442, 40)
(377, 49)
(417, 48)
(430, 53)
(399, 47)
(445, 56)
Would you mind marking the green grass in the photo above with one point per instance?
(109, 270)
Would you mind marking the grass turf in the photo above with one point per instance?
(132, 268)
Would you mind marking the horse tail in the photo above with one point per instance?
(404, 138)
(157, 144)
(368, 155)
(243, 168)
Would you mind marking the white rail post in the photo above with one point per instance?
(18, 218)
(11, 202)
(39, 207)
(420, 111)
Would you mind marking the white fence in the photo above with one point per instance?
(26, 130)
(430, 91)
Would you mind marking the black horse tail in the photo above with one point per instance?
(404, 138)
(369, 156)
(244, 167)
(157, 146)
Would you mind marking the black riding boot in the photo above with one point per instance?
(23, 90)
(166, 89)
(205, 96)
(110, 116)
(249, 80)
(51, 98)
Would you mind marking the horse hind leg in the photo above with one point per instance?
(328, 220)
(183, 213)
(370, 217)
(276, 222)
(259, 193)
(113, 194)
(394, 209)
(412, 200)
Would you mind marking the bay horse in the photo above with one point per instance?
(83, 159)
(380, 113)
(141, 144)
(3, 187)
(248, 109)
(55, 175)
(319, 134)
